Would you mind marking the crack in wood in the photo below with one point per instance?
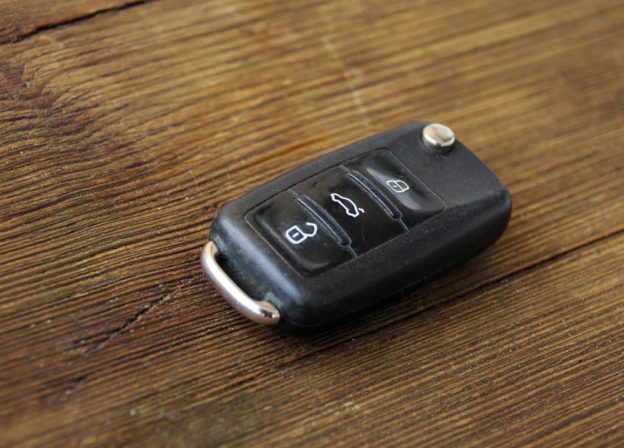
(166, 294)
(64, 23)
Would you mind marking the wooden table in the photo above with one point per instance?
(125, 125)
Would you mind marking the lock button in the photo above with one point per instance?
(297, 234)
(415, 200)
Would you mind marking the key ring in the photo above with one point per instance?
(259, 311)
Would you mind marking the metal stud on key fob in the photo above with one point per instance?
(341, 233)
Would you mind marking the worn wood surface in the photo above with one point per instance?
(22, 19)
(125, 125)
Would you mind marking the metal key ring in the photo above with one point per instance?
(259, 311)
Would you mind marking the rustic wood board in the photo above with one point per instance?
(22, 19)
(125, 125)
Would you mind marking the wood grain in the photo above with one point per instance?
(122, 132)
(24, 18)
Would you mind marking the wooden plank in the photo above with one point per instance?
(118, 143)
(21, 19)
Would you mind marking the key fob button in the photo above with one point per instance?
(297, 235)
(415, 201)
(347, 204)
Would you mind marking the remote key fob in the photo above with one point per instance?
(345, 231)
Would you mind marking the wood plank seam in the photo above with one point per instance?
(74, 20)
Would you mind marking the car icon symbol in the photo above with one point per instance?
(350, 207)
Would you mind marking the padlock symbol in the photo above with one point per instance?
(398, 185)
(297, 236)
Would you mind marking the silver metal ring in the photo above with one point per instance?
(261, 312)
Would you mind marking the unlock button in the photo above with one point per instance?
(297, 235)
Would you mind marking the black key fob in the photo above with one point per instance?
(341, 233)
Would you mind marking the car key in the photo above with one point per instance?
(342, 233)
